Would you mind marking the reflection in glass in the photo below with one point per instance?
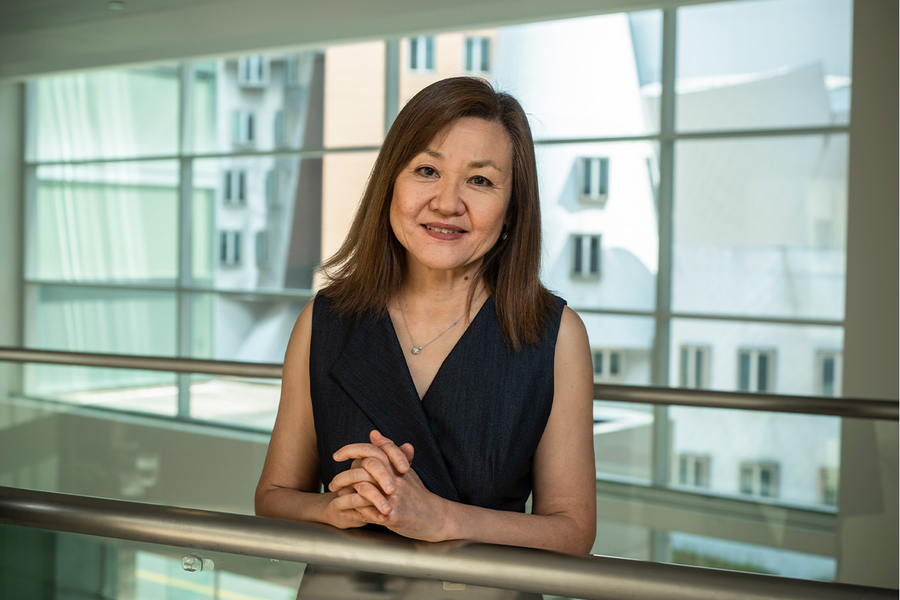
(106, 114)
(102, 319)
(106, 222)
(760, 226)
(796, 75)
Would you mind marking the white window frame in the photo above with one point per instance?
(587, 255)
(691, 359)
(253, 71)
(243, 127)
(837, 372)
(603, 360)
(477, 54)
(693, 470)
(234, 184)
(757, 472)
(593, 180)
(755, 357)
(422, 54)
(229, 248)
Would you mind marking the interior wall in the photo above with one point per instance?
(867, 521)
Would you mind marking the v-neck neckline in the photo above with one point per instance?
(398, 350)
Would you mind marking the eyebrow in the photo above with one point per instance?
(475, 164)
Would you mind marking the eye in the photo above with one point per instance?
(481, 181)
(426, 171)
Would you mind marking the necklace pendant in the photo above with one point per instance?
(416, 350)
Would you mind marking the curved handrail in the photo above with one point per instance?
(589, 577)
(856, 408)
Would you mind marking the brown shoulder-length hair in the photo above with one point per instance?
(367, 271)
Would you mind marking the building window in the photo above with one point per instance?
(828, 486)
(291, 70)
(759, 479)
(235, 186)
(243, 128)
(478, 54)
(421, 53)
(253, 71)
(829, 371)
(756, 370)
(693, 470)
(262, 248)
(273, 188)
(593, 177)
(609, 364)
(694, 367)
(280, 129)
(230, 248)
(586, 256)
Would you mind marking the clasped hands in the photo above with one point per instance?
(381, 487)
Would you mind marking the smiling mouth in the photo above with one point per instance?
(442, 230)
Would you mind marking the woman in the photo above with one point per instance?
(434, 383)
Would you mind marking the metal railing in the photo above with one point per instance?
(538, 571)
(855, 408)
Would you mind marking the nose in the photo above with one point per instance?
(447, 199)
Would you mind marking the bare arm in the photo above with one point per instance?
(289, 485)
(564, 512)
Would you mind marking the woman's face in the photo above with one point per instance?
(450, 201)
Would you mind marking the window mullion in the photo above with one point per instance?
(660, 369)
(185, 228)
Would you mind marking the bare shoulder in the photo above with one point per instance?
(572, 336)
(298, 345)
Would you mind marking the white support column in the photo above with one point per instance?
(11, 185)
(867, 518)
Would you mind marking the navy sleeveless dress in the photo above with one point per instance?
(478, 426)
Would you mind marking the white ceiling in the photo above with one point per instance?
(17, 16)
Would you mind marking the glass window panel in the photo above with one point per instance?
(426, 59)
(626, 222)
(797, 74)
(354, 94)
(731, 360)
(283, 199)
(745, 222)
(344, 177)
(101, 319)
(545, 65)
(622, 431)
(106, 222)
(106, 114)
(719, 553)
(276, 104)
(246, 403)
(745, 446)
(243, 328)
(153, 392)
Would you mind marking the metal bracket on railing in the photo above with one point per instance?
(193, 563)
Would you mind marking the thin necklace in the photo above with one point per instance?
(417, 349)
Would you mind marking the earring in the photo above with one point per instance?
(504, 235)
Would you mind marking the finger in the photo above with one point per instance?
(348, 478)
(372, 459)
(408, 451)
(370, 515)
(373, 495)
(359, 451)
(397, 457)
